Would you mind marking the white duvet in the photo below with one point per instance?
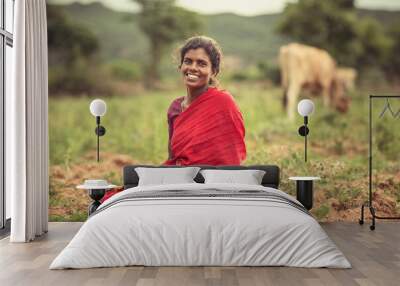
(183, 231)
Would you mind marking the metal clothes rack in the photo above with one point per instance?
(368, 204)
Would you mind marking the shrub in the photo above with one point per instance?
(239, 76)
(125, 70)
(81, 77)
(271, 72)
(322, 211)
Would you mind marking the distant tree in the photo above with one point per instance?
(164, 23)
(374, 43)
(73, 62)
(323, 24)
(67, 41)
(346, 4)
(335, 27)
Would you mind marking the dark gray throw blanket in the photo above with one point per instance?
(207, 194)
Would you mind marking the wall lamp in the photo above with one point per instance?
(98, 108)
(305, 109)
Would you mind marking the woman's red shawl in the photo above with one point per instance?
(209, 132)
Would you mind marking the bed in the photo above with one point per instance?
(201, 224)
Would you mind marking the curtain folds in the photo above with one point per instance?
(27, 134)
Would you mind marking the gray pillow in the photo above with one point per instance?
(165, 176)
(248, 177)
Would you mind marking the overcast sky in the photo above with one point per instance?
(246, 8)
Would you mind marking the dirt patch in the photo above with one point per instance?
(345, 203)
(338, 201)
(65, 199)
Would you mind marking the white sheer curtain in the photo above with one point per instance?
(27, 124)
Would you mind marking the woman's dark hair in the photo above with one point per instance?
(211, 47)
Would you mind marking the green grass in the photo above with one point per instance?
(137, 127)
(134, 125)
(78, 216)
(322, 212)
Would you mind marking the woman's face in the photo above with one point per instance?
(196, 68)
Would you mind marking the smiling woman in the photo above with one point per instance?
(205, 126)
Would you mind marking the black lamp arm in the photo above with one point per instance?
(100, 131)
(303, 131)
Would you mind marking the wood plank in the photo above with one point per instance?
(375, 257)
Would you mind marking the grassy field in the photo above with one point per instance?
(137, 133)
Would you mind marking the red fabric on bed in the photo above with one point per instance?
(110, 193)
(209, 132)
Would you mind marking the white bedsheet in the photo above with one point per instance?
(200, 231)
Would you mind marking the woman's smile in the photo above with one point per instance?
(192, 77)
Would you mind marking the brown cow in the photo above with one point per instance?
(308, 67)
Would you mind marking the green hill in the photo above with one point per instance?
(252, 39)
(249, 38)
(118, 32)
(385, 17)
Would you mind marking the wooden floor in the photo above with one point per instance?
(375, 256)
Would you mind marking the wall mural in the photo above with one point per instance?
(228, 97)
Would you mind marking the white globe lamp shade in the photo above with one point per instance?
(305, 107)
(98, 107)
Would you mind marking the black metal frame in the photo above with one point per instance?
(6, 39)
(5, 231)
(369, 203)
